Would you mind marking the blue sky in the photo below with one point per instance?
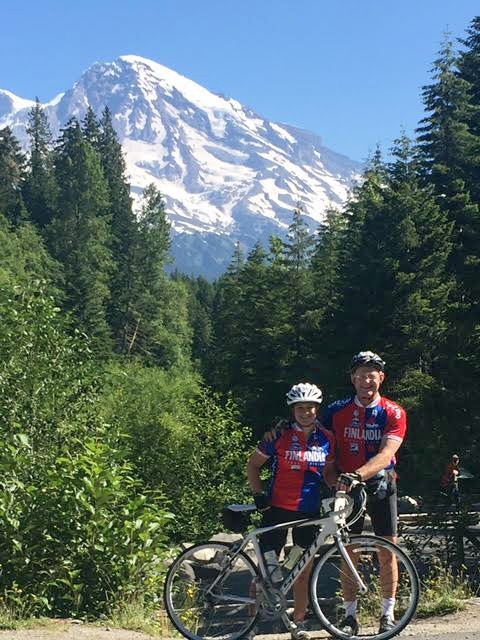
(349, 70)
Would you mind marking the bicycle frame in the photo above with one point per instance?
(332, 526)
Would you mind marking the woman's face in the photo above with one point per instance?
(305, 413)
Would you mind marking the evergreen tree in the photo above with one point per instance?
(445, 141)
(123, 229)
(91, 129)
(40, 189)
(469, 67)
(363, 285)
(80, 231)
(200, 312)
(326, 263)
(419, 251)
(449, 151)
(158, 328)
(227, 331)
(12, 171)
(298, 249)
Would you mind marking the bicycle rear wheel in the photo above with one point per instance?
(209, 595)
(332, 582)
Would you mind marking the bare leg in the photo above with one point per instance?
(300, 594)
(349, 583)
(388, 571)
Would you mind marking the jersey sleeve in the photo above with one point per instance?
(397, 422)
(266, 448)
(331, 452)
(326, 418)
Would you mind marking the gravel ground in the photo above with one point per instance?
(465, 624)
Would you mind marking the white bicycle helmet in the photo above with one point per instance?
(304, 392)
(367, 357)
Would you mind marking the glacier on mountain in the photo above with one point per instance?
(227, 174)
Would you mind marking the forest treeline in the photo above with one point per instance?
(131, 398)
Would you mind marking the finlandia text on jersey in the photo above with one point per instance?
(308, 456)
(360, 433)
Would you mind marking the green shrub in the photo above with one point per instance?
(83, 536)
(443, 591)
(184, 440)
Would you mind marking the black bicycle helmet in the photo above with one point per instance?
(367, 357)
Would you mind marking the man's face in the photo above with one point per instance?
(305, 413)
(367, 381)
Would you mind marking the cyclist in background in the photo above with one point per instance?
(299, 453)
(449, 481)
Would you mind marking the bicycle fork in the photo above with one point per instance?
(350, 564)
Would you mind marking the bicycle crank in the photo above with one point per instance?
(272, 603)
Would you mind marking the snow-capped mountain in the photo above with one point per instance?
(226, 173)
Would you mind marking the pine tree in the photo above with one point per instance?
(227, 331)
(298, 249)
(123, 229)
(12, 172)
(469, 71)
(40, 190)
(91, 129)
(80, 231)
(363, 286)
(420, 246)
(200, 312)
(469, 68)
(158, 328)
(327, 259)
(449, 151)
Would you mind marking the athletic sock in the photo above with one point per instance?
(350, 608)
(388, 607)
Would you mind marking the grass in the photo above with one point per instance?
(12, 620)
(136, 617)
(443, 592)
(133, 616)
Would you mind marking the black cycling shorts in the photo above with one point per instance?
(383, 514)
(303, 536)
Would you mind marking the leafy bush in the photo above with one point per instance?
(184, 440)
(47, 376)
(82, 536)
(78, 534)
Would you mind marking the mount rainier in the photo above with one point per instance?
(226, 173)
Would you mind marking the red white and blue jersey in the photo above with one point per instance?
(297, 469)
(359, 430)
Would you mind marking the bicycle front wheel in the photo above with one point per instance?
(332, 583)
(210, 593)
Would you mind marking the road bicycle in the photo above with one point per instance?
(223, 591)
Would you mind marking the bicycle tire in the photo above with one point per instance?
(198, 614)
(331, 576)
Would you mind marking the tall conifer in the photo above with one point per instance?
(123, 228)
(80, 232)
(40, 188)
(12, 174)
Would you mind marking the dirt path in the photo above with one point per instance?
(464, 621)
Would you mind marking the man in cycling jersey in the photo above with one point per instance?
(299, 455)
(368, 429)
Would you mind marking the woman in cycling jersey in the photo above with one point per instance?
(299, 454)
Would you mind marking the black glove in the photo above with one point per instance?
(346, 481)
(262, 501)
